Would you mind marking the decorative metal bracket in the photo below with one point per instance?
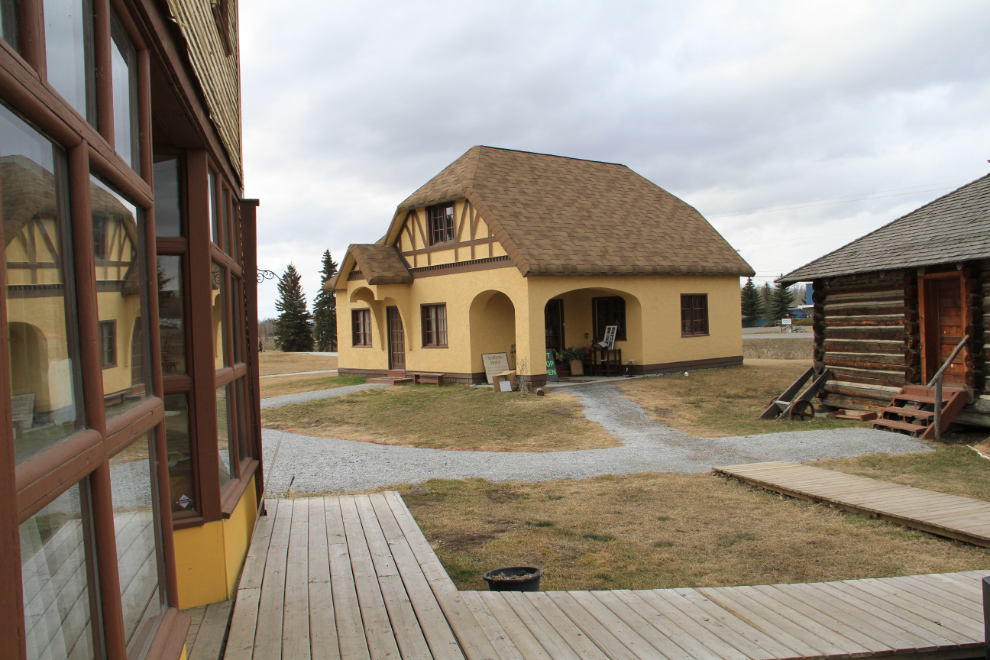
(266, 275)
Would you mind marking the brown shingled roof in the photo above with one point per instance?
(379, 264)
(950, 229)
(564, 216)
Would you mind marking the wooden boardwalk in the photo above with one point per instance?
(354, 577)
(952, 516)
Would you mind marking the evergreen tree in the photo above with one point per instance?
(766, 297)
(325, 309)
(294, 326)
(752, 303)
(781, 301)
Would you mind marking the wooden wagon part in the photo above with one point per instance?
(783, 406)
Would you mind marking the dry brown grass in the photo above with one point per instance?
(723, 402)
(450, 417)
(664, 530)
(294, 384)
(951, 469)
(277, 362)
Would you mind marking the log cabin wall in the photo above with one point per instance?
(867, 333)
(978, 301)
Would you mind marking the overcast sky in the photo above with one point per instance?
(738, 108)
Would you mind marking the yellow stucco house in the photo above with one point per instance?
(517, 252)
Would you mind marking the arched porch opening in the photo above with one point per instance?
(493, 328)
(29, 365)
(578, 318)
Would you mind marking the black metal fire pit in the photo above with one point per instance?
(514, 578)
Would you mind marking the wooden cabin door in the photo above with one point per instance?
(942, 326)
(554, 324)
(396, 339)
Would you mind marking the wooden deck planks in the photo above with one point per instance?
(956, 517)
(354, 577)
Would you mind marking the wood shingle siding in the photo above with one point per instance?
(218, 74)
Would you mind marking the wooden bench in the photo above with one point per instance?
(423, 377)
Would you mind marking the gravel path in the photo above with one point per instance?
(314, 465)
(302, 397)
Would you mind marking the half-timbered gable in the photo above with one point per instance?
(890, 307)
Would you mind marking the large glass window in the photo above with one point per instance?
(121, 286)
(219, 317)
(171, 314)
(69, 51)
(441, 223)
(694, 315)
(609, 311)
(242, 430)
(56, 574)
(46, 398)
(123, 74)
(135, 522)
(168, 214)
(181, 479)
(8, 23)
(361, 327)
(223, 438)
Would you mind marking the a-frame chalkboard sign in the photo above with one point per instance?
(551, 367)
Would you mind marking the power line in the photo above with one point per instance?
(838, 200)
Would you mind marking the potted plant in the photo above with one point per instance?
(575, 356)
(514, 578)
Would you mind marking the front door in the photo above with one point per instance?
(396, 340)
(943, 326)
(554, 323)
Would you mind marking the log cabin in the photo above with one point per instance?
(515, 252)
(890, 307)
(130, 475)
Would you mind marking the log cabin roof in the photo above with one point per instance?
(379, 264)
(951, 229)
(565, 216)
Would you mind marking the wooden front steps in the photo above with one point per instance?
(394, 377)
(353, 576)
(912, 410)
(955, 517)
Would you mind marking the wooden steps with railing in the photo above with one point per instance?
(925, 411)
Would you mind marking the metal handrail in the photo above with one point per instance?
(937, 381)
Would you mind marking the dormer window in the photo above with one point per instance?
(441, 223)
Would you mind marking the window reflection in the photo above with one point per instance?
(135, 523)
(180, 463)
(46, 400)
(69, 51)
(8, 23)
(55, 576)
(214, 219)
(219, 317)
(168, 218)
(223, 437)
(238, 305)
(242, 430)
(123, 73)
(121, 285)
(170, 315)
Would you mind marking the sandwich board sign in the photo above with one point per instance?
(495, 363)
(551, 366)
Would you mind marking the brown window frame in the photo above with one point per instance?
(596, 308)
(108, 344)
(444, 232)
(361, 328)
(692, 311)
(438, 333)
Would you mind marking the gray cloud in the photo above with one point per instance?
(349, 107)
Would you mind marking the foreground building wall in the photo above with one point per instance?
(130, 476)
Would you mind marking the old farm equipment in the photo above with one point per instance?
(925, 411)
(790, 405)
